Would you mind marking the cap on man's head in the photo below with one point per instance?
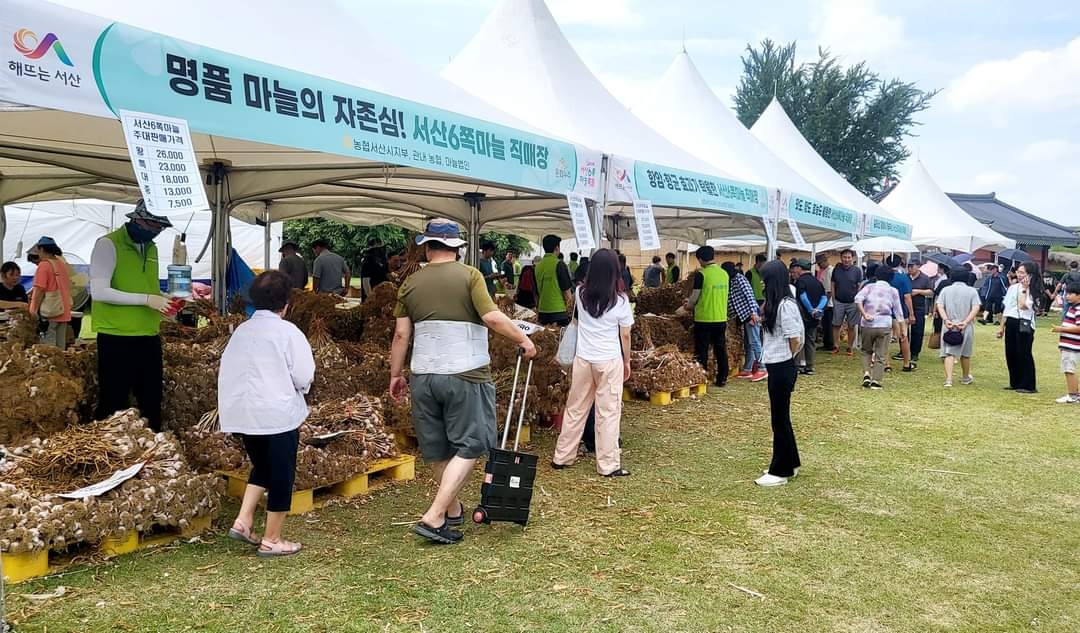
(289, 244)
(140, 213)
(442, 230)
(45, 240)
(914, 261)
(801, 263)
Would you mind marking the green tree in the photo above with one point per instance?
(854, 119)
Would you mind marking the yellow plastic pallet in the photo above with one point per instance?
(401, 468)
(664, 398)
(29, 565)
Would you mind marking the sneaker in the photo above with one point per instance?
(948, 383)
(876, 385)
(914, 360)
(1068, 399)
(768, 480)
(807, 371)
(898, 356)
(866, 380)
(967, 380)
(744, 374)
(442, 535)
(907, 369)
(759, 375)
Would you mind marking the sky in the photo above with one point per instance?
(1007, 118)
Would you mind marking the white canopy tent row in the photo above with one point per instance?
(684, 108)
(77, 224)
(936, 219)
(775, 129)
(521, 62)
(274, 141)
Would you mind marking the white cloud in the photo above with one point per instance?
(612, 14)
(1036, 80)
(858, 28)
(1050, 150)
(993, 180)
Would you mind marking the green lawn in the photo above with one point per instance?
(868, 538)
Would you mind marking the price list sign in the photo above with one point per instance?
(164, 161)
(648, 237)
(579, 217)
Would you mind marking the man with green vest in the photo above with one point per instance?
(709, 301)
(553, 284)
(754, 275)
(127, 310)
(672, 273)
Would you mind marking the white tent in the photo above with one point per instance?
(684, 108)
(423, 158)
(521, 62)
(77, 224)
(776, 130)
(935, 218)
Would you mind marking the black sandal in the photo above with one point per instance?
(622, 472)
(442, 535)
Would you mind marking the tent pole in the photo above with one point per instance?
(474, 198)
(600, 208)
(266, 236)
(220, 229)
(3, 229)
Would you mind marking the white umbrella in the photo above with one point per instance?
(885, 244)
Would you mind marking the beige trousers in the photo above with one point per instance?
(601, 383)
(875, 345)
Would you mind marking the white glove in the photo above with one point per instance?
(157, 302)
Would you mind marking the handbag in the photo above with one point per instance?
(567, 346)
(1026, 326)
(935, 341)
(52, 305)
(953, 337)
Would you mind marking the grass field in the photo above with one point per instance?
(872, 536)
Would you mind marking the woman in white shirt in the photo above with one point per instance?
(601, 365)
(782, 337)
(265, 371)
(1018, 327)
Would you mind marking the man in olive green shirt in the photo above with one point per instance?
(446, 311)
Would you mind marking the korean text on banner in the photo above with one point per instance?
(646, 225)
(164, 161)
(808, 211)
(579, 217)
(878, 227)
(796, 234)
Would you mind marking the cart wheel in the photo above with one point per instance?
(480, 515)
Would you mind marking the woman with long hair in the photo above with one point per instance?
(1018, 327)
(782, 337)
(601, 365)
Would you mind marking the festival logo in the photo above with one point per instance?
(562, 169)
(26, 42)
(622, 180)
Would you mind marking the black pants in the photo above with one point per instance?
(918, 332)
(785, 457)
(993, 306)
(1018, 356)
(826, 331)
(273, 466)
(713, 335)
(560, 319)
(130, 365)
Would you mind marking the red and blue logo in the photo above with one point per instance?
(27, 43)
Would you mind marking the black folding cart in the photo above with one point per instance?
(508, 475)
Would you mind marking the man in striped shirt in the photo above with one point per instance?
(1069, 343)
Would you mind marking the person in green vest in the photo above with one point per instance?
(672, 273)
(553, 284)
(127, 309)
(756, 282)
(709, 302)
(573, 265)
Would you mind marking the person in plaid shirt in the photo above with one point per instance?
(742, 304)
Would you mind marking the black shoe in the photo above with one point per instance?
(442, 535)
(620, 472)
(876, 385)
(458, 520)
(555, 466)
(1009, 388)
(866, 381)
(1026, 390)
(908, 368)
(806, 371)
(898, 356)
(720, 384)
(914, 359)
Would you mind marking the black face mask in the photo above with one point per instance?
(33, 259)
(139, 235)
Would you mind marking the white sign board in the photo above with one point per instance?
(646, 225)
(102, 487)
(164, 161)
(796, 234)
(579, 217)
(528, 328)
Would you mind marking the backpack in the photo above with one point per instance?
(526, 290)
